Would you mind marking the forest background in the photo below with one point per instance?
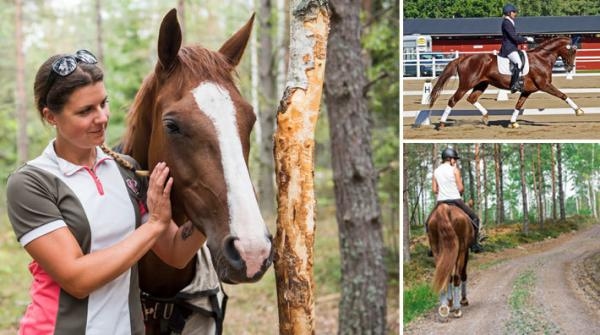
(123, 35)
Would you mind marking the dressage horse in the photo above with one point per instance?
(477, 71)
(450, 234)
(189, 114)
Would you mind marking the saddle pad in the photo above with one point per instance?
(504, 65)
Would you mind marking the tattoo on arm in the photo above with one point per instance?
(186, 231)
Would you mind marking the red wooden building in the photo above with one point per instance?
(484, 35)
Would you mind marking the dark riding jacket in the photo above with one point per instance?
(510, 39)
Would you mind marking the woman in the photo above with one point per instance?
(80, 219)
(510, 40)
(448, 187)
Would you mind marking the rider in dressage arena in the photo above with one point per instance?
(510, 40)
(448, 186)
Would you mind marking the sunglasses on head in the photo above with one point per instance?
(66, 65)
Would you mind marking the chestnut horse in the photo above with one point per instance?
(450, 234)
(189, 114)
(477, 71)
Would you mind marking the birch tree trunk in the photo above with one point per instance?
(523, 188)
(294, 157)
(405, 214)
(21, 105)
(541, 199)
(362, 309)
(478, 203)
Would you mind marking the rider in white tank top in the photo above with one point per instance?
(447, 185)
(446, 180)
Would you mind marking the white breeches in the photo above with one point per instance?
(514, 57)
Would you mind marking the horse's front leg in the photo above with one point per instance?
(550, 89)
(474, 96)
(518, 107)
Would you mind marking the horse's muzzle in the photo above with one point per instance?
(246, 258)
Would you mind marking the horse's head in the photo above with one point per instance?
(191, 115)
(566, 51)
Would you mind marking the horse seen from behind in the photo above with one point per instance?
(478, 71)
(450, 234)
(190, 114)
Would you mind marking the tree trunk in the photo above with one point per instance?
(536, 192)
(478, 180)
(294, 157)
(484, 219)
(561, 190)
(267, 79)
(362, 308)
(553, 163)
(523, 189)
(21, 104)
(471, 179)
(99, 31)
(181, 17)
(540, 186)
(405, 215)
(498, 175)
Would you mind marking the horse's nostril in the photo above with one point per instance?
(231, 253)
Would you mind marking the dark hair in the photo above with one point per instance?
(56, 96)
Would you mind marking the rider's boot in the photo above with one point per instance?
(515, 81)
(475, 246)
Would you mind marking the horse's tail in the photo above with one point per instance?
(450, 70)
(447, 249)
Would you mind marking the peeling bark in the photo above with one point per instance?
(294, 165)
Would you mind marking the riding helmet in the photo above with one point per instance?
(507, 9)
(449, 153)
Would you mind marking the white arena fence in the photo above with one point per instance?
(419, 65)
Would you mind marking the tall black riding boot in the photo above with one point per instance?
(515, 83)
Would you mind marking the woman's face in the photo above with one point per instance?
(513, 15)
(84, 118)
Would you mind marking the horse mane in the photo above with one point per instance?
(550, 43)
(193, 62)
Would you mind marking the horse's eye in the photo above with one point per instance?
(172, 127)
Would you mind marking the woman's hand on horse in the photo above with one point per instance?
(159, 195)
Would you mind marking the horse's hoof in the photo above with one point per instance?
(457, 313)
(444, 311)
(464, 302)
(513, 125)
(579, 112)
(441, 126)
(485, 119)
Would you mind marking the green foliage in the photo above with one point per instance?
(491, 8)
(417, 300)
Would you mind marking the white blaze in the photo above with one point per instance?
(246, 221)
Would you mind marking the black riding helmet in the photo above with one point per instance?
(449, 153)
(508, 8)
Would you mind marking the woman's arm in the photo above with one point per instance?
(434, 186)
(459, 183)
(79, 274)
(178, 245)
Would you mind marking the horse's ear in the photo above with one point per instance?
(169, 40)
(234, 47)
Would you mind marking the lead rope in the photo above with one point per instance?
(124, 163)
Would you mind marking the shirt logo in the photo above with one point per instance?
(132, 184)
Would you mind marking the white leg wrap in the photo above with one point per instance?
(480, 107)
(446, 113)
(572, 104)
(514, 116)
(456, 298)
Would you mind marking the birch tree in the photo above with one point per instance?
(294, 162)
